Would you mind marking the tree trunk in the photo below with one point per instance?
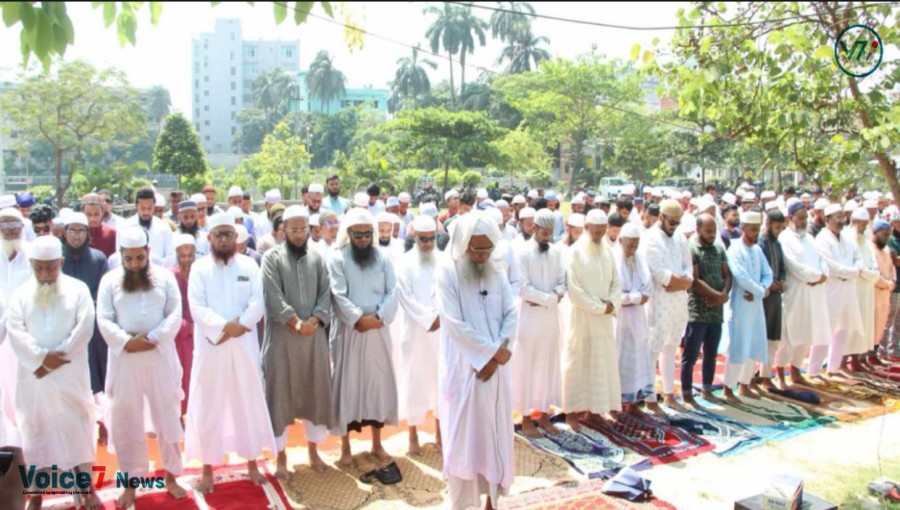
(452, 92)
(462, 72)
(579, 147)
(59, 191)
(446, 177)
(886, 163)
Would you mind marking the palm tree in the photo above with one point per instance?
(470, 27)
(444, 33)
(511, 20)
(159, 104)
(272, 93)
(522, 50)
(411, 79)
(324, 81)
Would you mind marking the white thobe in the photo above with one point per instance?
(392, 251)
(865, 290)
(417, 367)
(506, 256)
(476, 417)
(632, 331)
(227, 410)
(6, 425)
(153, 376)
(537, 380)
(843, 303)
(805, 305)
(55, 413)
(162, 249)
(509, 232)
(405, 220)
(13, 273)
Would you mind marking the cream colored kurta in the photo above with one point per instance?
(865, 289)
(883, 288)
(805, 305)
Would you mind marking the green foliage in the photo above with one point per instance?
(521, 155)
(178, 149)
(280, 162)
(273, 92)
(411, 84)
(408, 179)
(452, 178)
(324, 81)
(471, 178)
(159, 104)
(42, 193)
(455, 30)
(522, 50)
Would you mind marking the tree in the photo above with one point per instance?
(79, 111)
(521, 154)
(512, 20)
(411, 82)
(178, 149)
(254, 125)
(332, 133)
(437, 138)
(159, 104)
(522, 50)
(471, 27)
(471, 178)
(324, 81)
(444, 33)
(280, 162)
(273, 92)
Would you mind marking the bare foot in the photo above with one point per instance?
(689, 401)
(380, 453)
(767, 385)
(173, 488)
(670, 401)
(346, 460)
(281, 469)
(708, 396)
(655, 409)
(316, 462)
(205, 485)
(414, 449)
(729, 396)
(548, 427)
(745, 391)
(34, 503)
(797, 377)
(528, 427)
(92, 502)
(102, 434)
(126, 498)
(253, 471)
(572, 422)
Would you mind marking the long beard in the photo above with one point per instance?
(334, 194)
(543, 247)
(146, 224)
(190, 230)
(297, 251)
(426, 258)
(475, 274)
(46, 295)
(224, 256)
(137, 281)
(880, 244)
(570, 240)
(364, 257)
(384, 242)
(11, 246)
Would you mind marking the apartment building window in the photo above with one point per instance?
(206, 93)
(233, 100)
(196, 83)
(288, 51)
(197, 126)
(197, 67)
(233, 115)
(196, 98)
(206, 138)
(205, 108)
(233, 71)
(197, 112)
(232, 55)
(205, 122)
(233, 86)
(248, 84)
(206, 79)
(250, 51)
(248, 98)
(233, 130)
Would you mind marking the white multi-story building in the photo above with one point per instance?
(224, 67)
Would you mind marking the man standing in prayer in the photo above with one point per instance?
(363, 288)
(805, 298)
(590, 365)
(295, 359)
(772, 304)
(707, 298)
(101, 237)
(536, 367)
(751, 277)
(632, 342)
(857, 234)
(670, 262)
(161, 250)
(50, 319)
(186, 253)
(418, 368)
(884, 287)
(390, 248)
(188, 223)
(227, 411)
(139, 313)
(478, 321)
(843, 302)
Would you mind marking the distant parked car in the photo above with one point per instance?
(610, 187)
(675, 184)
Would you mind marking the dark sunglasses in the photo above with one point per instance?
(425, 240)
(361, 235)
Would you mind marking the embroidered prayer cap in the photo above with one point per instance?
(519, 199)
(767, 194)
(860, 214)
(314, 220)
(184, 239)
(481, 194)
(159, 200)
(880, 225)
(235, 212)
(476, 223)
(729, 198)
(393, 202)
(220, 220)
(45, 248)
(533, 194)
(450, 194)
(424, 223)
(295, 211)
(384, 217)
(315, 188)
(235, 191)
(76, 218)
(749, 197)
(273, 196)
(361, 200)
(578, 199)
(821, 204)
(501, 204)
(671, 208)
(751, 218)
(575, 220)
(596, 217)
(7, 201)
(198, 198)
(185, 205)
(771, 205)
(870, 204)
(550, 195)
(850, 206)
(831, 209)
(795, 206)
(806, 196)
(544, 219)
(527, 212)
(404, 198)
(134, 236)
(631, 231)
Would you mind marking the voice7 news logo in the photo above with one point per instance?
(858, 51)
(75, 481)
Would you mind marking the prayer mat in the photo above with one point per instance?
(887, 374)
(765, 428)
(885, 386)
(576, 496)
(233, 491)
(788, 413)
(855, 392)
(659, 441)
(838, 406)
(727, 438)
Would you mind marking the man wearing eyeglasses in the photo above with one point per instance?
(109, 217)
(227, 410)
(363, 288)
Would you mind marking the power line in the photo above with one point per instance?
(648, 29)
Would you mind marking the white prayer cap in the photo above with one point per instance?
(242, 234)
(159, 200)
(596, 217)
(648, 190)
(384, 217)
(751, 218)
(821, 204)
(868, 195)
(428, 209)
(133, 236)
(10, 212)
(806, 196)
(739, 193)
(890, 211)
(749, 197)
(354, 217)
(771, 205)
(791, 201)
(235, 212)
(695, 202)
(860, 214)
(578, 199)
(688, 224)
(404, 198)
(184, 239)
(767, 194)
(656, 193)
(482, 194)
(198, 198)
(527, 212)
(45, 248)
(7, 201)
(687, 194)
(708, 197)
(220, 220)
(631, 231)
(393, 202)
(450, 194)
(575, 220)
(314, 220)
(729, 198)
(76, 218)
(533, 194)
(424, 223)
(705, 204)
(518, 199)
(487, 203)
(361, 200)
(870, 204)
(63, 213)
(273, 196)
(475, 223)
(544, 218)
(294, 211)
(850, 206)
(235, 191)
(495, 215)
(315, 188)
(832, 208)
(501, 204)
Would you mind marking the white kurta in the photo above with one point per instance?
(632, 330)
(13, 273)
(805, 305)
(7, 430)
(162, 249)
(537, 379)
(417, 367)
(590, 364)
(667, 256)
(56, 413)
(506, 256)
(476, 417)
(227, 410)
(843, 304)
(132, 378)
(865, 290)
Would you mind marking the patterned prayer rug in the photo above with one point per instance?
(886, 386)
(727, 438)
(765, 428)
(233, 491)
(659, 441)
(577, 496)
(855, 392)
(788, 413)
(838, 406)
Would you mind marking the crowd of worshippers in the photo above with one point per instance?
(220, 328)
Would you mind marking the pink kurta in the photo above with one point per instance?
(184, 342)
(883, 288)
